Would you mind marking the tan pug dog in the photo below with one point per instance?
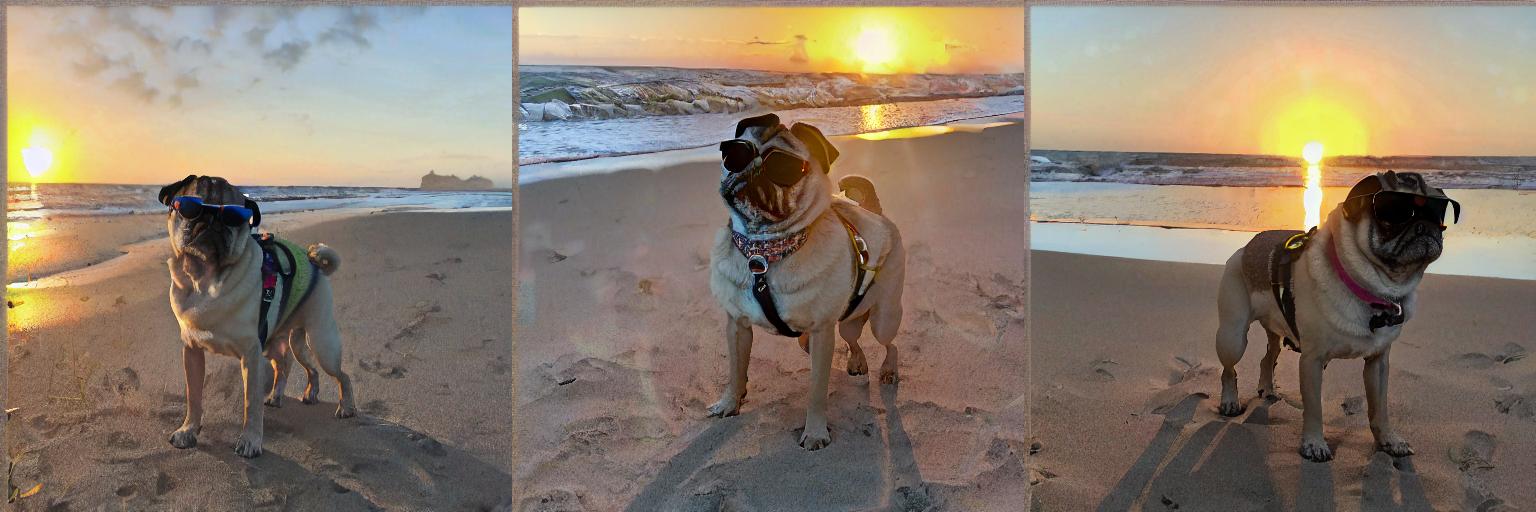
(1352, 285)
(776, 185)
(216, 294)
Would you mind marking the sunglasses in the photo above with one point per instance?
(230, 215)
(779, 166)
(1398, 207)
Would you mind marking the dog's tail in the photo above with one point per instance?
(860, 190)
(325, 257)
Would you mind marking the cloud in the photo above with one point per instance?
(137, 85)
(352, 27)
(288, 55)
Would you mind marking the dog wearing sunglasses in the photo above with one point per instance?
(217, 292)
(799, 261)
(1341, 291)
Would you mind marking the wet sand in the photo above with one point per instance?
(422, 301)
(620, 347)
(1126, 377)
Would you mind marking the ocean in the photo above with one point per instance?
(27, 202)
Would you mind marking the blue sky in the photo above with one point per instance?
(263, 95)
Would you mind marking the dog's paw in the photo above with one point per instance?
(1230, 409)
(345, 411)
(273, 401)
(1316, 451)
(815, 438)
(857, 365)
(1394, 445)
(248, 446)
(1268, 393)
(724, 407)
(310, 398)
(184, 438)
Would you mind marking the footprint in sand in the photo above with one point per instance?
(1510, 353)
(1517, 405)
(1475, 452)
(388, 371)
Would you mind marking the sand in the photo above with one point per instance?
(620, 347)
(422, 301)
(1126, 377)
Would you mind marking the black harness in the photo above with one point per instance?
(763, 294)
(1280, 261)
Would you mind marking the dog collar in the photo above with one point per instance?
(1391, 312)
(761, 252)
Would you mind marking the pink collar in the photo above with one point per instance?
(1392, 308)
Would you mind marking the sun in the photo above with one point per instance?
(1312, 152)
(37, 160)
(876, 47)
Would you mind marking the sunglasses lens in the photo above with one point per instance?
(736, 155)
(1394, 207)
(231, 216)
(783, 169)
(188, 207)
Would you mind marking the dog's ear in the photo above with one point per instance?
(255, 211)
(169, 191)
(769, 120)
(820, 147)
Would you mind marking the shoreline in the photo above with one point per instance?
(91, 269)
(656, 159)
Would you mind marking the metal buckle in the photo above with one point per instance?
(863, 249)
(757, 264)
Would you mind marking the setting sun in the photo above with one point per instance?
(1312, 152)
(37, 160)
(876, 48)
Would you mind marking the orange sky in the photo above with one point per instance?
(1411, 80)
(802, 39)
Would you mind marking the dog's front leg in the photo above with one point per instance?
(738, 348)
(1375, 374)
(253, 367)
(816, 435)
(192, 363)
(1313, 446)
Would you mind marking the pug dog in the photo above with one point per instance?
(216, 295)
(1352, 284)
(826, 263)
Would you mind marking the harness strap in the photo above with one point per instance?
(764, 296)
(269, 248)
(860, 266)
(1280, 280)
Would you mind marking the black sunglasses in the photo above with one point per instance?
(230, 215)
(1396, 207)
(779, 166)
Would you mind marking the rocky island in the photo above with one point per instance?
(434, 181)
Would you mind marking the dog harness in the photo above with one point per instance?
(1275, 252)
(760, 253)
(278, 262)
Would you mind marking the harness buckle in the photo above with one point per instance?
(862, 249)
(757, 264)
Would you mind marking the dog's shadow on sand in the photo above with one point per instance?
(1222, 465)
(780, 472)
(313, 461)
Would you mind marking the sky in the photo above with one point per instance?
(798, 39)
(260, 95)
(1401, 80)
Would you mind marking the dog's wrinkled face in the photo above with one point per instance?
(758, 200)
(1400, 245)
(205, 238)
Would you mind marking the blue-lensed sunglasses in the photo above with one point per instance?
(192, 207)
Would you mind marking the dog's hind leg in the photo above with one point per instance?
(277, 355)
(325, 341)
(300, 348)
(1267, 366)
(1234, 314)
(850, 329)
(885, 320)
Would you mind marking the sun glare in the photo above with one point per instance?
(37, 160)
(1312, 198)
(876, 48)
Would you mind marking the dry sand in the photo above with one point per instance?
(1125, 375)
(620, 347)
(422, 301)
